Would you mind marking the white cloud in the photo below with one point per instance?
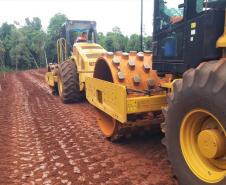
(107, 13)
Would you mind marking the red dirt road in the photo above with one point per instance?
(43, 141)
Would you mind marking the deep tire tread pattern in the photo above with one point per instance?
(203, 87)
(70, 80)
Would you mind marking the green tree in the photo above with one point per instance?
(109, 42)
(55, 24)
(21, 57)
(23, 47)
(35, 23)
(134, 43)
(120, 40)
(115, 40)
(2, 53)
(6, 31)
(148, 43)
(35, 40)
(53, 32)
(101, 38)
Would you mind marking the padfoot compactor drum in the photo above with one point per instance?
(127, 93)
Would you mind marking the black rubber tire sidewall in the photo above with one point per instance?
(181, 103)
(70, 82)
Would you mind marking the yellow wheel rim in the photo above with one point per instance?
(203, 144)
(60, 86)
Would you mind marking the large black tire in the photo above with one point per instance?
(204, 88)
(68, 83)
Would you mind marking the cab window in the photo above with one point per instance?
(171, 12)
(203, 5)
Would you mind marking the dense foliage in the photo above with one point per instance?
(22, 48)
(116, 41)
(28, 46)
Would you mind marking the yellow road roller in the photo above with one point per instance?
(77, 51)
(127, 92)
(185, 76)
(181, 84)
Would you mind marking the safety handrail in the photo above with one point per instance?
(61, 50)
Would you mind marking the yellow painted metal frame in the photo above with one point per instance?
(85, 65)
(61, 50)
(221, 42)
(169, 85)
(108, 97)
(50, 79)
(112, 99)
(81, 52)
(145, 103)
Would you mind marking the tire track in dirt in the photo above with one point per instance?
(61, 144)
(8, 140)
(91, 127)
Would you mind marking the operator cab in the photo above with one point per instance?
(185, 33)
(73, 29)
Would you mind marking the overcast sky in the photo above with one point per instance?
(107, 13)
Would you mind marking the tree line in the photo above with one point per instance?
(28, 46)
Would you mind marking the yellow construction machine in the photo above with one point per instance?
(127, 93)
(125, 89)
(184, 79)
(195, 119)
(76, 60)
(185, 76)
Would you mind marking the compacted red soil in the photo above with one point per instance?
(43, 141)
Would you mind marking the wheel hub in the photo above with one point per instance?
(202, 139)
(211, 143)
